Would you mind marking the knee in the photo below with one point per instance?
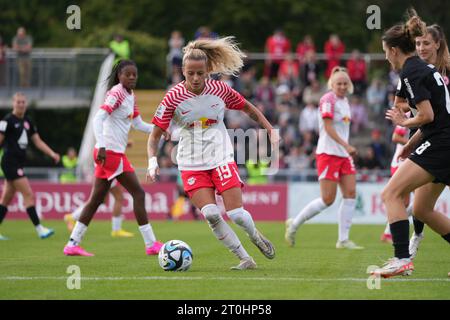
(387, 195)
(328, 199)
(212, 214)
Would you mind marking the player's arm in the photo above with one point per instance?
(256, 115)
(41, 145)
(2, 138)
(99, 119)
(152, 151)
(141, 125)
(331, 131)
(411, 145)
(423, 116)
(401, 103)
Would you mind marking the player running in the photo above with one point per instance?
(334, 161)
(205, 154)
(428, 151)
(111, 126)
(16, 129)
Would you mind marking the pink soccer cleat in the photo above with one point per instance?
(154, 249)
(76, 251)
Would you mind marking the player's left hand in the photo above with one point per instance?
(396, 115)
(56, 157)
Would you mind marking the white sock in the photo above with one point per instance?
(39, 228)
(345, 215)
(312, 209)
(242, 218)
(77, 213)
(409, 209)
(387, 230)
(77, 234)
(148, 235)
(117, 223)
(223, 231)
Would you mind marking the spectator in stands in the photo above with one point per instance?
(2, 62)
(248, 83)
(308, 119)
(369, 161)
(356, 67)
(307, 45)
(265, 93)
(360, 118)
(297, 159)
(313, 93)
(334, 49)
(23, 45)
(376, 96)
(277, 46)
(175, 56)
(309, 70)
(204, 32)
(69, 161)
(289, 71)
(379, 147)
(120, 47)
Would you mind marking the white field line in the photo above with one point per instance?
(190, 278)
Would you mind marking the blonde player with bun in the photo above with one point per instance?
(205, 153)
(334, 161)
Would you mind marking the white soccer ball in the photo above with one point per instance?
(175, 255)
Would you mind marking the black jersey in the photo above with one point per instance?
(420, 81)
(18, 133)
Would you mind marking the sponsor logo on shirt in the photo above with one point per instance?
(203, 122)
(346, 119)
(408, 88)
(160, 111)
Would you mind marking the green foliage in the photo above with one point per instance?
(148, 52)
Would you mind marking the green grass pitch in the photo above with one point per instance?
(37, 269)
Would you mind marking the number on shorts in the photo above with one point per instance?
(441, 82)
(224, 172)
(423, 147)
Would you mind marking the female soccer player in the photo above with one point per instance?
(334, 161)
(429, 149)
(205, 153)
(111, 126)
(16, 129)
(431, 48)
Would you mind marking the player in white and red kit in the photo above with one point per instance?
(111, 126)
(399, 136)
(205, 154)
(334, 161)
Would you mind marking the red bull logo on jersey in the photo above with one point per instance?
(346, 119)
(203, 122)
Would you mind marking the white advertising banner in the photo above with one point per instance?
(369, 207)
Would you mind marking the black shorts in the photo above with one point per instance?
(433, 155)
(12, 170)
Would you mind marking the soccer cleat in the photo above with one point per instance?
(348, 244)
(45, 233)
(121, 234)
(245, 264)
(2, 237)
(395, 267)
(76, 251)
(414, 244)
(289, 236)
(70, 221)
(386, 238)
(154, 249)
(264, 245)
